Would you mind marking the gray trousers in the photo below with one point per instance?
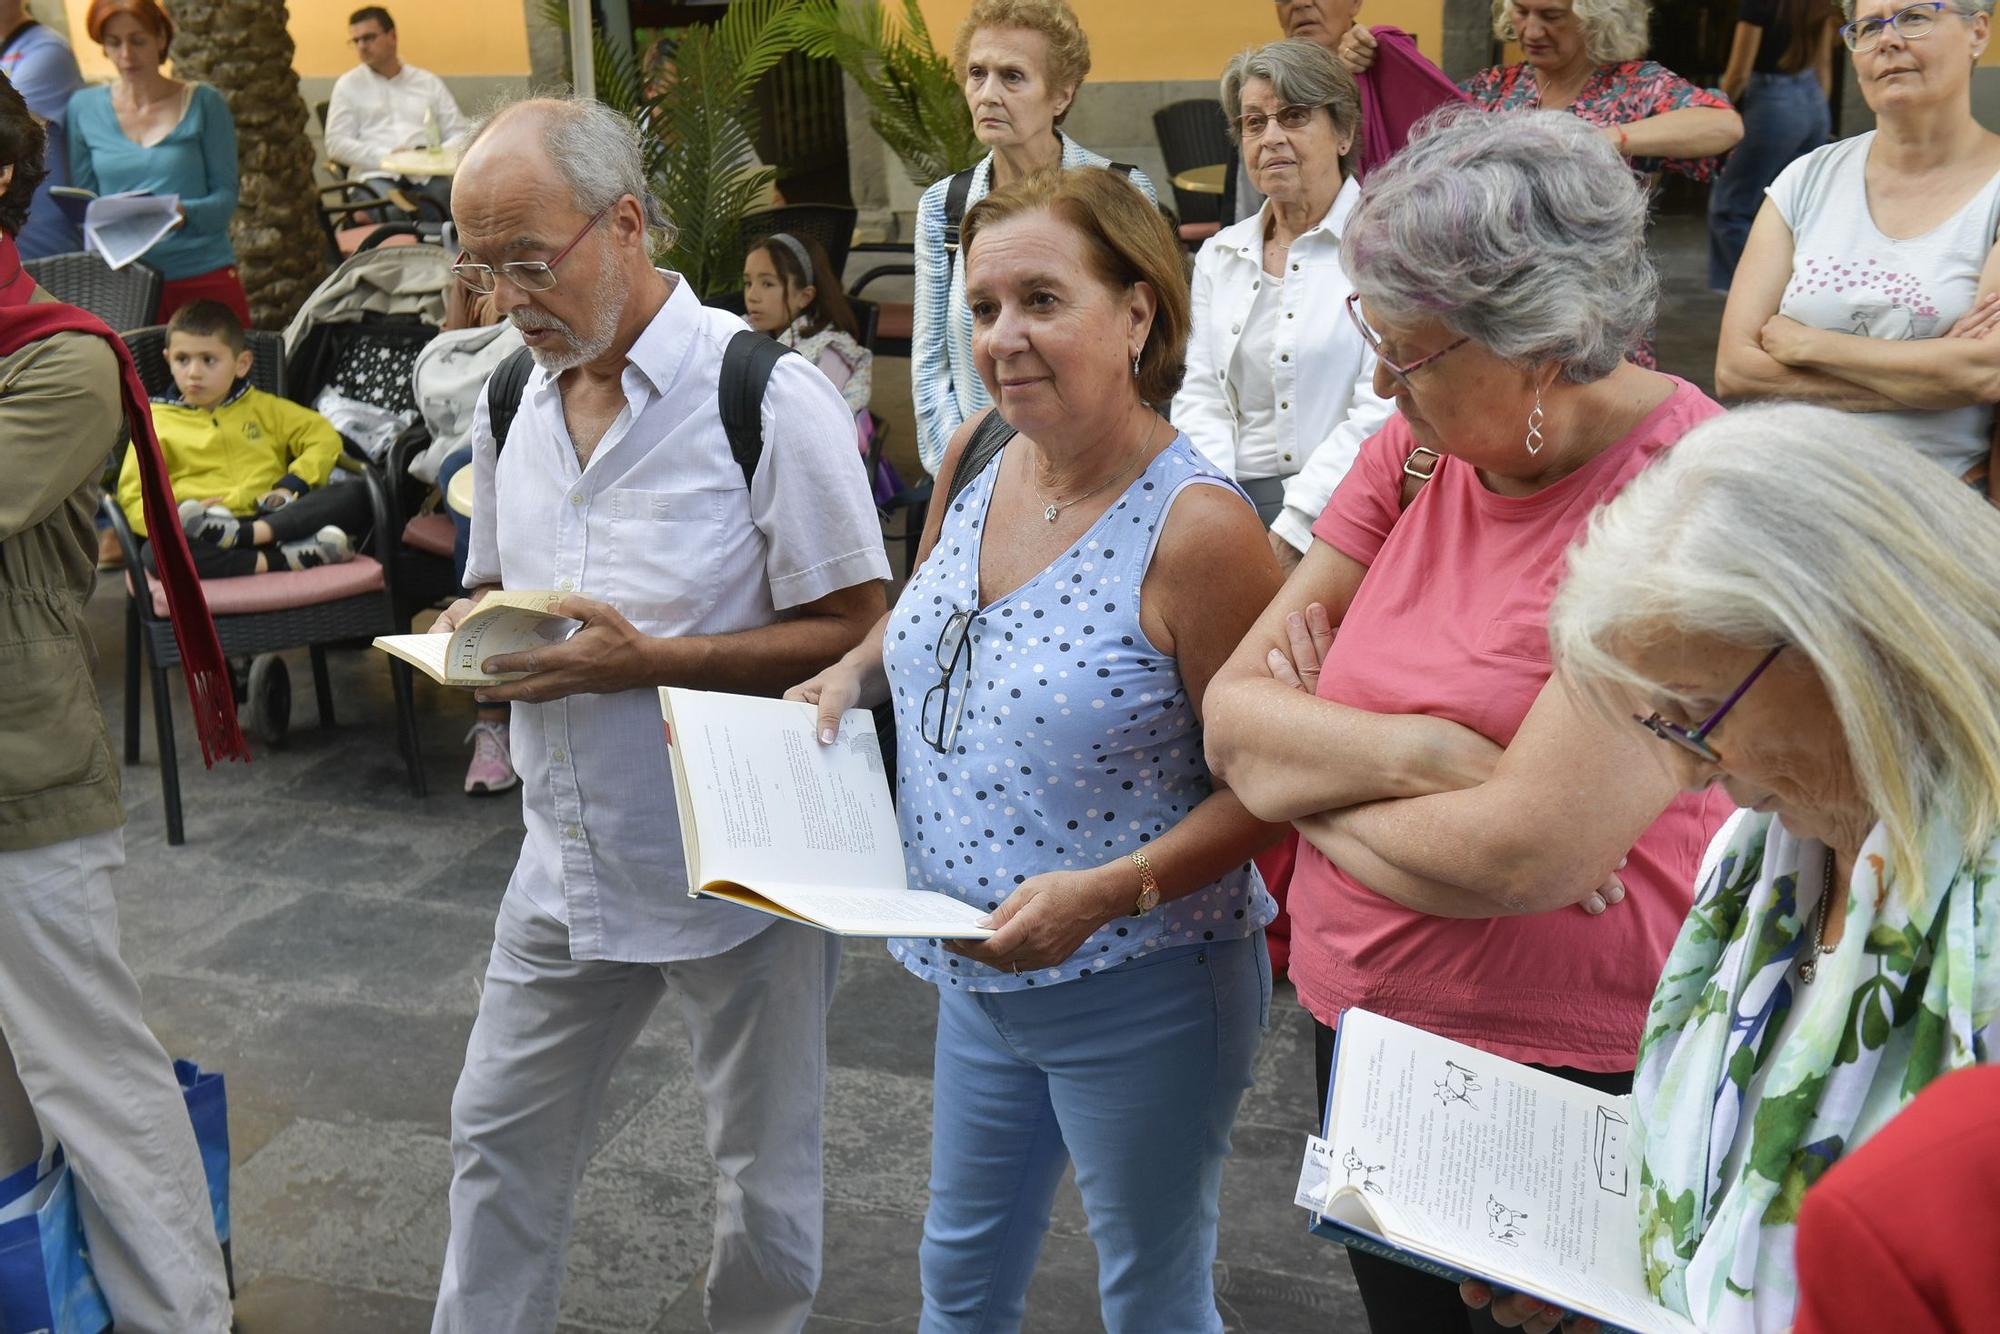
(549, 1033)
(100, 1084)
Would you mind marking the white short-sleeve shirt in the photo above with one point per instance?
(1847, 276)
(661, 525)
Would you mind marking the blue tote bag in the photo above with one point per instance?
(208, 1109)
(46, 1286)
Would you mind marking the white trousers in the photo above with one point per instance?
(101, 1085)
(549, 1033)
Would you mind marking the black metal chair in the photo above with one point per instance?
(123, 298)
(149, 354)
(832, 225)
(1194, 133)
(894, 319)
(258, 615)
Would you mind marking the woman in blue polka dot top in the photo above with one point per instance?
(1047, 663)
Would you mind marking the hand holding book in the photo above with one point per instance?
(606, 654)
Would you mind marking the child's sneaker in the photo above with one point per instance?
(491, 771)
(212, 524)
(328, 546)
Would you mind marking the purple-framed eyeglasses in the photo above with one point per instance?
(1695, 740)
(530, 275)
(1368, 336)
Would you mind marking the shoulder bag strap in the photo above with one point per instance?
(1418, 468)
(503, 394)
(747, 363)
(988, 438)
(955, 196)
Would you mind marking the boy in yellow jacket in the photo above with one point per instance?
(250, 469)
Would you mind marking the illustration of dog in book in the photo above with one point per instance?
(1504, 1224)
(1354, 1162)
(1457, 1085)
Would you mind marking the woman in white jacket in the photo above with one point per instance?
(1280, 388)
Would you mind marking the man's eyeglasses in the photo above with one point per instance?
(530, 275)
(1695, 740)
(1368, 336)
(1253, 123)
(944, 704)
(1912, 22)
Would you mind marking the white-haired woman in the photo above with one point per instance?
(1020, 62)
(1279, 393)
(1455, 800)
(1870, 280)
(1811, 621)
(1588, 57)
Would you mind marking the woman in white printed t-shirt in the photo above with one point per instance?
(1870, 281)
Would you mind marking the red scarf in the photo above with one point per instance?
(202, 663)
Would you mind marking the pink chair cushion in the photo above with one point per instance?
(1199, 231)
(349, 239)
(895, 319)
(431, 533)
(285, 589)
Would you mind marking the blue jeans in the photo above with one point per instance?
(1135, 1073)
(461, 525)
(1784, 117)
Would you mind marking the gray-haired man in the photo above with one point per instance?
(617, 485)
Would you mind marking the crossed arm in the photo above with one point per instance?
(1420, 809)
(1762, 354)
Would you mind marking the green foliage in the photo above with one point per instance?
(700, 129)
(914, 99)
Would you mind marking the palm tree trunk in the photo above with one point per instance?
(241, 47)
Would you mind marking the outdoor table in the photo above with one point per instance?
(419, 162)
(1202, 180)
(458, 492)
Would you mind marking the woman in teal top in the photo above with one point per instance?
(149, 133)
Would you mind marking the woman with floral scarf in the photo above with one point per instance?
(1804, 612)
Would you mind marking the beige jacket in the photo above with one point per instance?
(60, 418)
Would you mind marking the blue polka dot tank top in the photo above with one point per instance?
(1074, 745)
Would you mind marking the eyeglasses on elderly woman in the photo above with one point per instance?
(1374, 341)
(1695, 740)
(1911, 22)
(1252, 124)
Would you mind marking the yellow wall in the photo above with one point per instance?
(448, 37)
(1145, 40)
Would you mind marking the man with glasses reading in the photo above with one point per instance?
(617, 484)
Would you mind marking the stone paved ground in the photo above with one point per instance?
(320, 937)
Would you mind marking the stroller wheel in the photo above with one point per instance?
(269, 696)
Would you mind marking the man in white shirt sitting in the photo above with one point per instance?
(383, 105)
(618, 487)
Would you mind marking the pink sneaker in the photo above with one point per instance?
(491, 771)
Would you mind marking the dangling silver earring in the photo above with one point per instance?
(1135, 365)
(1534, 440)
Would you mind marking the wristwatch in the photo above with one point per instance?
(1149, 888)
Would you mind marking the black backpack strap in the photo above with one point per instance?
(988, 439)
(747, 363)
(1122, 168)
(955, 196)
(503, 394)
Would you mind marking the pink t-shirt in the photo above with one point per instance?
(1452, 621)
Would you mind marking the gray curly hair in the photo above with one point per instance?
(1613, 30)
(1522, 230)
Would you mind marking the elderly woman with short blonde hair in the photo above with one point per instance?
(1808, 618)
(1020, 63)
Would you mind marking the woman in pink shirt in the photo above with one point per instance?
(1484, 855)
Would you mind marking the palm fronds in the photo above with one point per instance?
(913, 93)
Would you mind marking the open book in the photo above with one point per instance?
(776, 821)
(1445, 1158)
(505, 621)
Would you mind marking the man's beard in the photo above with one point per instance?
(589, 345)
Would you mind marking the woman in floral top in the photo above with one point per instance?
(1587, 56)
(1812, 620)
